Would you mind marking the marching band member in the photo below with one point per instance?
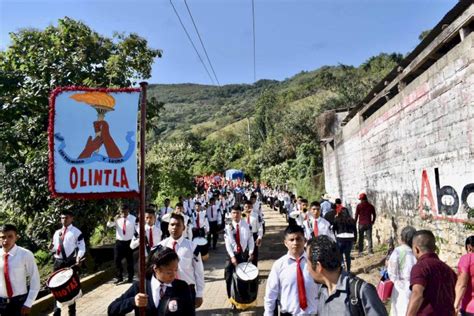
(238, 243)
(200, 222)
(164, 211)
(166, 295)
(152, 232)
(17, 264)
(124, 225)
(215, 220)
(316, 225)
(188, 226)
(190, 268)
(301, 212)
(69, 248)
(254, 220)
(289, 281)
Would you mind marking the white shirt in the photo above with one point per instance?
(203, 222)
(282, 285)
(165, 210)
(257, 207)
(299, 217)
(255, 223)
(71, 240)
(129, 227)
(156, 233)
(21, 265)
(324, 228)
(246, 238)
(156, 288)
(325, 207)
(214, 215)
(190, 268)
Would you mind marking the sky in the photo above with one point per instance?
(290, 35)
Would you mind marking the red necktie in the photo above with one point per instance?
(237, 239)
(7, 276)
(124, 226)
(301, 289)
(162, 290)
(199, 226)
(316, 228)
(248, 219)
(58, 252)
(174, 245)
(150, 240)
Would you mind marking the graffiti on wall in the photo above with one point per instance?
(446, 203)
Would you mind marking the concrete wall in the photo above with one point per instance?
(414, 156)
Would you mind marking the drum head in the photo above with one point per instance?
(200, 241)
(60, 277)
(246, 271)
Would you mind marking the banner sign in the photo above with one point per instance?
(93, 142)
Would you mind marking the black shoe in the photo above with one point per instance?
(130, 280)
(117, 281)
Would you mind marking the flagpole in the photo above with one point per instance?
(141, 251)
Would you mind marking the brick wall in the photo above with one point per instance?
(414, 156)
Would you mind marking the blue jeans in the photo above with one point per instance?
(345, 247)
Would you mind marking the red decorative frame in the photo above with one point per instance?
(51, 178)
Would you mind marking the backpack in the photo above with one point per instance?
(355, 303)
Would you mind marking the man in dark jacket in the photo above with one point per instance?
(365, 217)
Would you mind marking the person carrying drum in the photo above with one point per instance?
(17, 264)
(68, 249)
(289, 281)
(190, 268)
(166, 294)
(152, 232)
(200, 221)
(124, 224)
(238, 243)
(215, 220)
(254, 220)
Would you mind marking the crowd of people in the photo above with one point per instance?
(312, 278)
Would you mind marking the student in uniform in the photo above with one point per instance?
(289, 281)
(200, 222)
(188, 225)
(315, 225)
(68, 249)
(215, 219)
(124, 224)
(166, 209)
(190, 268)
(300, 214)
(166, 295)
(254, 220)
(152, 232)
(238, 243)
(17, 264)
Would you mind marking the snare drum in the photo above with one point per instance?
(244, 286)
(202, 247)
(65, 286)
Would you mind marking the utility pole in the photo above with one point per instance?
(248, 132)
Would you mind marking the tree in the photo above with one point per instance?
(264, 112)
(35, 63)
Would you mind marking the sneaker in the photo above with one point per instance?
(117, 281)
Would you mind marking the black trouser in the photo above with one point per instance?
(214, 231)
(362, 229)
(12, 306)
(229, 270)
(255, 250)
(164, 230)
(123, 250)
(58, 265)
(345, 247)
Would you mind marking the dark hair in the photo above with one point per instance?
(179, 204)
(197, 203)
(8, 228)
(67, 213)
(212, 199)
(304, 201)
(236, 207)
(425, 240)
(314, 203)
(178, 217)
(294, 229)
(407, 234)
(325, 251)
(469, 241)
(338, 201)
(159, 256)
(124, 206)
(167, 200)
(150, 210)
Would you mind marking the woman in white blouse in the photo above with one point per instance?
(399, 267)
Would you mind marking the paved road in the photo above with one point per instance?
(215, 298)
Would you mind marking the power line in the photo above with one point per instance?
(202, 44)
(192, 43)
(254, 63)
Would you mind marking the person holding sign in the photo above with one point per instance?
(124, 225)
(68, 249)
